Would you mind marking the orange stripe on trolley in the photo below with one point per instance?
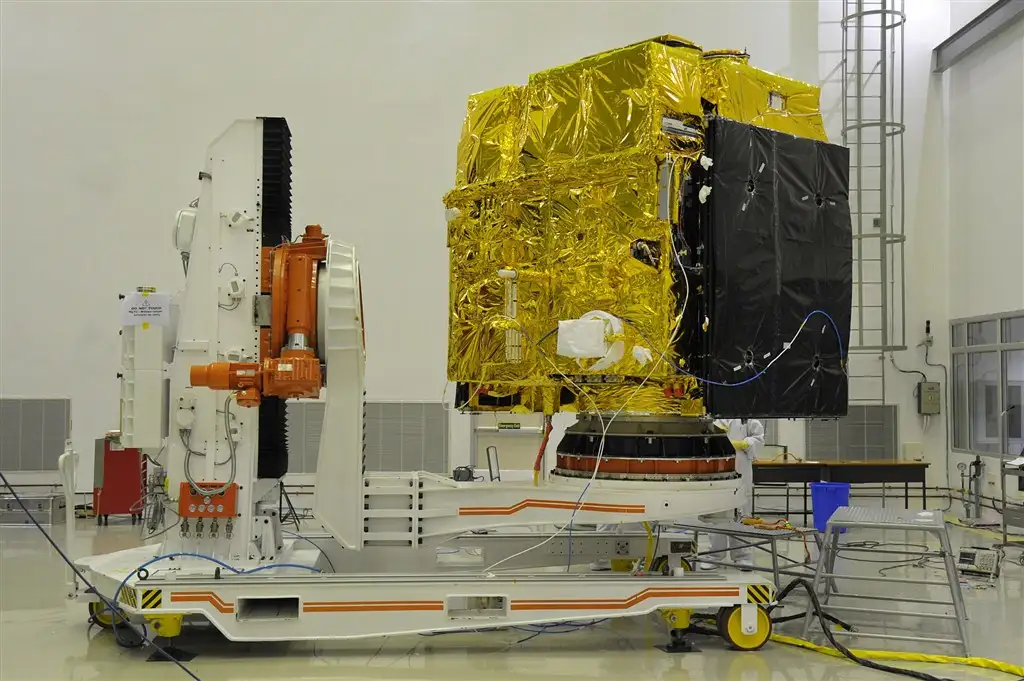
(203, 597)
(372, 606)
(625, 603)
(553, 503)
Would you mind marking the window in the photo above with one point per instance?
(959, 335)
(1013, 330)
(959, 401)
(1013, 386)
(982, 333)
(988, 384)
(983, 399)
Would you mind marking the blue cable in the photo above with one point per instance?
(323, 553)
(109, 605)
(835, 327)
(261, 568)
(842, 356)
(211, 559)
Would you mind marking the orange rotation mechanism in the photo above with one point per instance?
(288, 365)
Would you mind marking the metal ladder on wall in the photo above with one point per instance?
(887, 590)
(872, 128)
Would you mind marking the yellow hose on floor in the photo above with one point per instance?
(953, 520)
(886, 655)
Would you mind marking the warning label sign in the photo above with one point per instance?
(146, 309)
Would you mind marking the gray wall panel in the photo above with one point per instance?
(32, 432)
(10, 435)
(399, 436)
(866, 433)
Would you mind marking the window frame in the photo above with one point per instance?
(964, 403)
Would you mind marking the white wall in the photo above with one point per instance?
(986, 202)
(927, 247)
(964, 169)
(964, 203)
(107, 109)
(924, 168)
(965, 230)
(963, 11)
(986, 177)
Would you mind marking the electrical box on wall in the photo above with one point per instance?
(929, 398)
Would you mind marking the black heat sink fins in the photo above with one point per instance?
(272, 461)
(771, 248)
(276, 223)
(277, 182)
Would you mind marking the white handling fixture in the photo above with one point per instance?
(397, 515)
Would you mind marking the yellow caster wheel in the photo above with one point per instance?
(661, 566)
(102, 615)
(730, 625)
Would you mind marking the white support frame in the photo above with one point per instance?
(386, 514)
(325, 607)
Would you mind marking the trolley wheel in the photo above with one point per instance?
(720, 622)
(102, 615)
(730, 624)
(686, 565)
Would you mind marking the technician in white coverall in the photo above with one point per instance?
(747, 436)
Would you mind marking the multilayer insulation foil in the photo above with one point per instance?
(569, 197)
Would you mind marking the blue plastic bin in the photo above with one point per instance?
(826, 497)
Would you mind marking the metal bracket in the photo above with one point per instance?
(748, 618)
(261, 310)
(983, 28)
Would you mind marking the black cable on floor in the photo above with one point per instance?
(113, 608)
(870, 664)
(786, 590)
(799, 616)
(702, 631)
(702, 617)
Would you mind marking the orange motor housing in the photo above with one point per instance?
(288, 366)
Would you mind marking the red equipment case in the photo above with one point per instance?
(118, 480)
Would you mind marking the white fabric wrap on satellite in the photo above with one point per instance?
(587, 338)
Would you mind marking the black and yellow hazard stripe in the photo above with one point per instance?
(760, 593)
(152, 598)
(128, 598)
